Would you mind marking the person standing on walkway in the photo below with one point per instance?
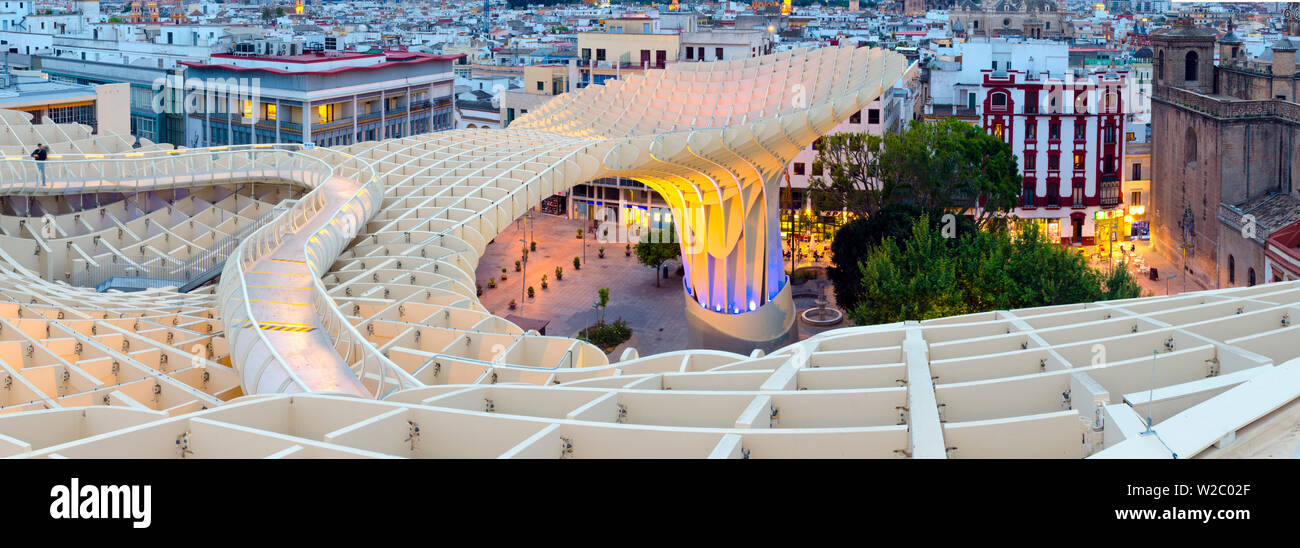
(40, 154)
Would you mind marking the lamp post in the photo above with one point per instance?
(523, 280)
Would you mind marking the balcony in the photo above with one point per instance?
(1110, 192)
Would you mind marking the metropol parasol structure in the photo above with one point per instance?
(320, 302)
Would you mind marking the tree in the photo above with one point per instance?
(855, 240)
(849, 163)
(929, 275)
(655, 253)
(279, 11)
(947, 165)
(603, 295)
(266, 14)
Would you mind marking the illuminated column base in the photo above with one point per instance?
(769, 327)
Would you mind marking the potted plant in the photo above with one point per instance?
(559, 273)
(544, 281)
(503, 274)
(601, 252)
(532, 246)
(579, 233)
(513, 304)
(516, 266)
(492, 283)
(627, 250)
(577, 265)
(530, 292)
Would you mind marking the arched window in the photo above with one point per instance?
(1160, 66)
(1232, 270)
(1189, 144)
(1189, 66)
(1250, 277)
(999, 99)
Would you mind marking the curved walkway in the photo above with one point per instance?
(280, 298)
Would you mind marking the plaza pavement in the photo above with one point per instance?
(655, 314)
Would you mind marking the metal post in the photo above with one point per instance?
(1151, 394)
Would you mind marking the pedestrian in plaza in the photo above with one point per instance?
(40, 154)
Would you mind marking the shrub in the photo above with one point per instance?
(607, 336)
(577, 264)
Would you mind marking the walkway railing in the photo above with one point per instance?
(321, 250)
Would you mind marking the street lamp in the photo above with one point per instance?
(523, 280)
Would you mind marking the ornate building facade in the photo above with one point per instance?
(1028, 18)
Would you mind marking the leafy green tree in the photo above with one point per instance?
(602, 301)
(929, 275)
(850, 180)
(854, 241)
(949, 165)
(656, 249)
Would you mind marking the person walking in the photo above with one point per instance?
(40, 154)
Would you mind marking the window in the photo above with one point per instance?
(600, 54)
(541, 86)
(586, 53)
(326, 113)
(817, 143)
(1130, 136)
(717, 52)
(999, 100)
(1053, 193)
(1076, 196)
(817, 170)
(1189, 144)
(1137, 173)
(1110, 135)
(1053, 162)
(1054, 131)
(997, 130)
(873, 116)
(1232, 270)
(798, 168)
(1027, 194)
(690, 53)
(1080, 131)
(1135, 197)
(1078, 160)
(1031, 102)
(1250, 277)
(1189, 66)
(1031, 131)
(856, 118)
(1031, 162)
